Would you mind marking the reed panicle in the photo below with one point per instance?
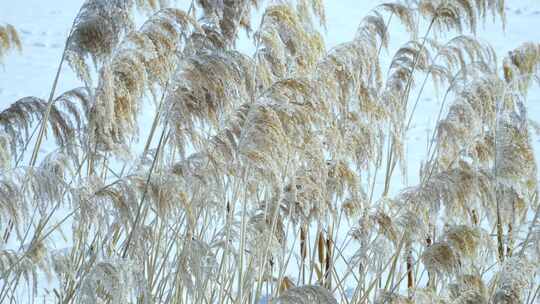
(468, 289)
(392, 298)
(98, 29)
(65, 119)
(513, 278)
(305, 294)
(143, 60)
(287, 45)
(9, 40)
(441, 258)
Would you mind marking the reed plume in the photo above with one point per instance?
(512, 280)
(9, 40)
(98, 29)
(305, 294)
(152, 53)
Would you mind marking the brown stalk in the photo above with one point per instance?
(328, 260)
(303, 253)
(321, 253)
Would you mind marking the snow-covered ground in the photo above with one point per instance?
(44, 25)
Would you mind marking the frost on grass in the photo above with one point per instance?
(305, 295)
(281, 168)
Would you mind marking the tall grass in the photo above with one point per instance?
(272, 176)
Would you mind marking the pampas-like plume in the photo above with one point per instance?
(265, 243)
(386, 297)
(428, 296)
(22, 265)
(342, 181)
(197, 264)
(144, 59)
(521, 65)
(91, 198)
(462, 50)
(512, 280)
(456, 131)
(515, 155)
(98, 29)
(19, 116)
(159, 42)
(386, 226)
(459, 189)
(228, 16)
(305, 198)
(205, 90)
(355, 66)
(305, 295)
(5, 152)
(404, 12)
(9, 40)
(122, 196)
(12, 202)
(105, 130)
(414, 224)
(441, 258)
(64, 119)
(468, 289)
(460, 133)
(412, 56)
(346, 73)
(315, 7)
(36, 189)
(459, 15)
(109, 281)
(466, 240)
(288, 46)
(515, 168)
(282, 121)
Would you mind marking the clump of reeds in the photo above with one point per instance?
(272, 175)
